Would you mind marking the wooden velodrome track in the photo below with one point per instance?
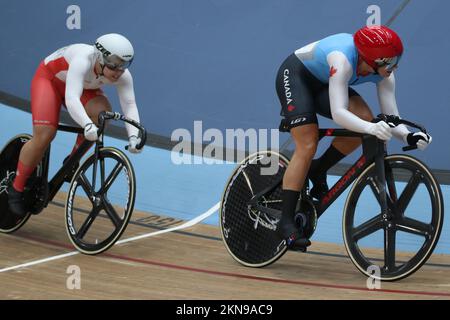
(188, 264)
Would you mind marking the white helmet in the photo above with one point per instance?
(114, 51)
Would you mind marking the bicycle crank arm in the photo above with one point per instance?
(273, 213)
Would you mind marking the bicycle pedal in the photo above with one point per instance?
(302, 246)
(299, 249)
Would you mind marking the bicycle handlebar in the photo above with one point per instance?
(107, 115)
(396, 121)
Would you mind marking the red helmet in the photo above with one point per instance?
(378, 46)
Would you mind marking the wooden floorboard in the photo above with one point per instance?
(192, 264)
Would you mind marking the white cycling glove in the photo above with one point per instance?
(91, 132)
(381, 130)
(419, 139)
(132, 143)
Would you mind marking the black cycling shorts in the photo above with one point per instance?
(302, 95)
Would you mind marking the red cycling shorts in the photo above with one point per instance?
(48, 95)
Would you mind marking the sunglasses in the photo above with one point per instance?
(117, 64)
(114, 67)
(391, 63)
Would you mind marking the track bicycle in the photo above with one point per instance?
(101, 195)
(394, 199)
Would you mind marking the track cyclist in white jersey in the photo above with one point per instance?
(73, 76)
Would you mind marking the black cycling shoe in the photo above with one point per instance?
(16, 202)
(293, 238)
(319, 181)
(296, 243)
(69, 176)
(319, 190)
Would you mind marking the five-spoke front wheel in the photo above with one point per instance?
(100, 201)
(397, 242)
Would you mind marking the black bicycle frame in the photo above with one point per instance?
(374, 150)
(58, 179)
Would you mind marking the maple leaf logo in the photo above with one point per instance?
(333, 71)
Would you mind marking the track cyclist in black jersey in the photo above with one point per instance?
(316, 79)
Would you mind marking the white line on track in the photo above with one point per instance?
(33, 263)
(185, 225)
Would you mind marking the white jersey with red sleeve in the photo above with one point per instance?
(74, 65)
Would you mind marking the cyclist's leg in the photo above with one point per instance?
(341, 146)
(293, 89)
(94, 102)
(32, 153)
(306, 139)
(45, 107)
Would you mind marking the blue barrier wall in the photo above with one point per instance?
(216, 60)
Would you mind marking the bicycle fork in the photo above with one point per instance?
(381, 177)
(387, 215)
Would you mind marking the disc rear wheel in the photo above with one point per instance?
(250, 235)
